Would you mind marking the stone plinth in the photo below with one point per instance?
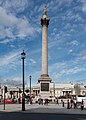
(44, 86)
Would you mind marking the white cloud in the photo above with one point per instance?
(14, 81)
(70, 51)
(7, 19)
(15, 5)
(6, 35)
(84, 8)
(82, 54)
(32, 61)
(58, 4)
(25, 28)
(5, 40)
(71, 67)
(73, 43)
(34, 64)
(13, 27)
(83, 5)
(16, 78)
(73, 70)
(57, 39)
(70, 71)
(10, 60)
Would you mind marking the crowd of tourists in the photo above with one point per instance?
(72, 104)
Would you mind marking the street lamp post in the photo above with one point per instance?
(23, 95)
(30, 86)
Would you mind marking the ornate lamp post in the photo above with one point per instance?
(30, 86)
(23, 95)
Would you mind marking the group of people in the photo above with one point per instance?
(72, 104)
(43, 101)
(75, 104)
(28, 100)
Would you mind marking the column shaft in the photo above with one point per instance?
(44, 50)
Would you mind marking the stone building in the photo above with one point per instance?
(56, 91)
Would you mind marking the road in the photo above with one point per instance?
(40, 112)
(38, 116)
(35, 108)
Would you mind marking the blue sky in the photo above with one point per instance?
(20, 29)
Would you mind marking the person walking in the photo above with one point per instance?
(68, 105)
(82, 105)
(75, 104)
(63, 104)
(71, 103)
(57, 101)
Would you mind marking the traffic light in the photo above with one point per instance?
(5, 89)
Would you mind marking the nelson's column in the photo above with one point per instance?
(44, 80)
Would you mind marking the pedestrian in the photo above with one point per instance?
(43, 101)
(82, 105)
(19, 100)
(71, 103)
(30, 100)
(61, 101)
(39, 101)
(75, 104)
(63, 104)
(57, 101)
(68, 104)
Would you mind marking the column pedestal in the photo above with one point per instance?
(44, 81)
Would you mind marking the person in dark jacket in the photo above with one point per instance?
(82, 105)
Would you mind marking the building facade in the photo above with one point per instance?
(58, 90)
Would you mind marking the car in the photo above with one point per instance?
(10, 101)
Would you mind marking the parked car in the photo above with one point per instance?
(9, 101)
